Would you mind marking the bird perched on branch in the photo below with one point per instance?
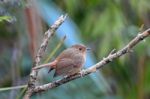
(69, 62)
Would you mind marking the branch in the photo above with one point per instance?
(47, 36)
(113, 55)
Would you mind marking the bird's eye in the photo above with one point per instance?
(80, 49)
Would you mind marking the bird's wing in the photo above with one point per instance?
(64, 66)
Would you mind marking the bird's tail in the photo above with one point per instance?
(51, 68)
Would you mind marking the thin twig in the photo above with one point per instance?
(47, 36)
(55, 50)
(21, 93)
(12, 88)
(97, 66)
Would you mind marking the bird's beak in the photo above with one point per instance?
(88, 49)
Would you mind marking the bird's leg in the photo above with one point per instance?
(82, 72)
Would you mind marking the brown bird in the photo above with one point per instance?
(69, 62)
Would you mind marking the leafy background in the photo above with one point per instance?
(104, 25)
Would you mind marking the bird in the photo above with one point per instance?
(69, 62)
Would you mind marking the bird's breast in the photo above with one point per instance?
(79, 60)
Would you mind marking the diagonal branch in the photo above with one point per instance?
(48, 34)
(113, 55)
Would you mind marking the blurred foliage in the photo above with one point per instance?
(104, 25)
(5, 18)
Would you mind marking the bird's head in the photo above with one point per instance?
(80, 48)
